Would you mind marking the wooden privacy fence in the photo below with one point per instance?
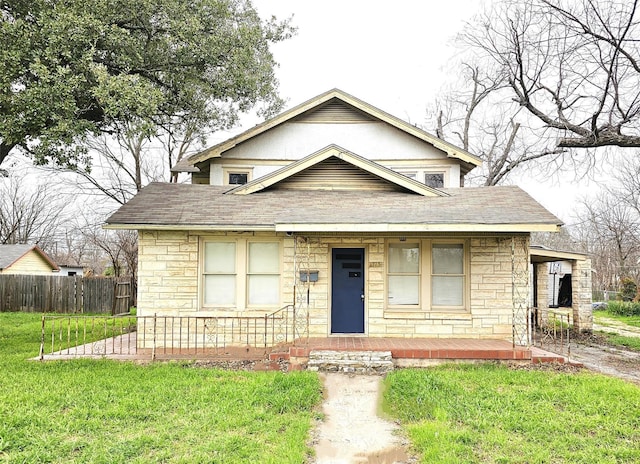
(62, 294)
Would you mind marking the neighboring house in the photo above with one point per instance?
(71, 270)
(25, 259)
(352, 215)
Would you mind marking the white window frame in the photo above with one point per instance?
(227, 171)
(426, 277)
(241, 274)
(419, 174)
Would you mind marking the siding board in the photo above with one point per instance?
(335, 174)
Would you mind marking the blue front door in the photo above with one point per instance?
(347, 290)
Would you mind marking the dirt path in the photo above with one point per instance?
(351, 431)
(599, 357)
(594, 353)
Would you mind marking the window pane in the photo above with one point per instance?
(220, 257)
(404, 290)
(447, 291)
(264, 289)
(448, 259)
(237, 178)
(434, 180)
(404, 257)
(264, 257)
(219, 290)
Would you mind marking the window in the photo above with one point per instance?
(263, 275)
(427, 274)
(220, 273)
(434, 179)
(236, 175)
(241, 274)
(238, 178)
(404, 274)
(447, 274)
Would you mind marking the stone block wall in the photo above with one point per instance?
(581, 286)
(169, 284)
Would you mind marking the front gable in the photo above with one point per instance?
(331, 118)
(334, 168)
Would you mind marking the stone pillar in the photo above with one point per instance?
(542, 282)
(581, 286)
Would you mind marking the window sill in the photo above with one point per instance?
(452, 315)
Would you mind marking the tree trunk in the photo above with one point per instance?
(5, 149)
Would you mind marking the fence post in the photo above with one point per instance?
(42, 340)
(265, 330)
(153, 346)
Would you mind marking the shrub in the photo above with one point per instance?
(628, 289)
(624, 308)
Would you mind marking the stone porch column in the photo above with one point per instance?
(581, 286)
(542, 282)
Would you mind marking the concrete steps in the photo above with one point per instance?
(353, 362)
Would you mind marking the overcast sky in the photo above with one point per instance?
(395, 55)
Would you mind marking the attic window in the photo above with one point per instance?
(238, 178)
(434, 179)
(235, 175)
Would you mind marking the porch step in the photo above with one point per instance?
(354, 362)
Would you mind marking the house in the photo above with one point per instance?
(71, 270)
(353, 217)
(25, 259)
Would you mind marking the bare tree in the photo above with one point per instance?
(572, 64)
(132, 157)
(609, 231)
(29, 213)
(502, 138)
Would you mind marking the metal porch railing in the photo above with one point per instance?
(552, 331)
(128, 335)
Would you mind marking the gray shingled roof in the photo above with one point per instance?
(207, 207)
(9, 254)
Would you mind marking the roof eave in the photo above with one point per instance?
(188, 227)
(409, 227)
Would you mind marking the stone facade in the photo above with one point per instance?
(169, 283)
(581, 285)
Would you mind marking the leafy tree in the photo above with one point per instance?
(81, 68)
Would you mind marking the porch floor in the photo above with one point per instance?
(404, 350)
(426, 349)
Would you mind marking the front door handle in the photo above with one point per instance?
(362, 297)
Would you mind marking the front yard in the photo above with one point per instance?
(100, 411)
(105, 411)
(493, 414)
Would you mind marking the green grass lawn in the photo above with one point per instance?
(102, 411)
(492, 414)
(621, 341)
(629, 320)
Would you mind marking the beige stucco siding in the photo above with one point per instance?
(30, 263)
(169, 283)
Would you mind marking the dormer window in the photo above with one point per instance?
(236, 176)
(434, 179)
